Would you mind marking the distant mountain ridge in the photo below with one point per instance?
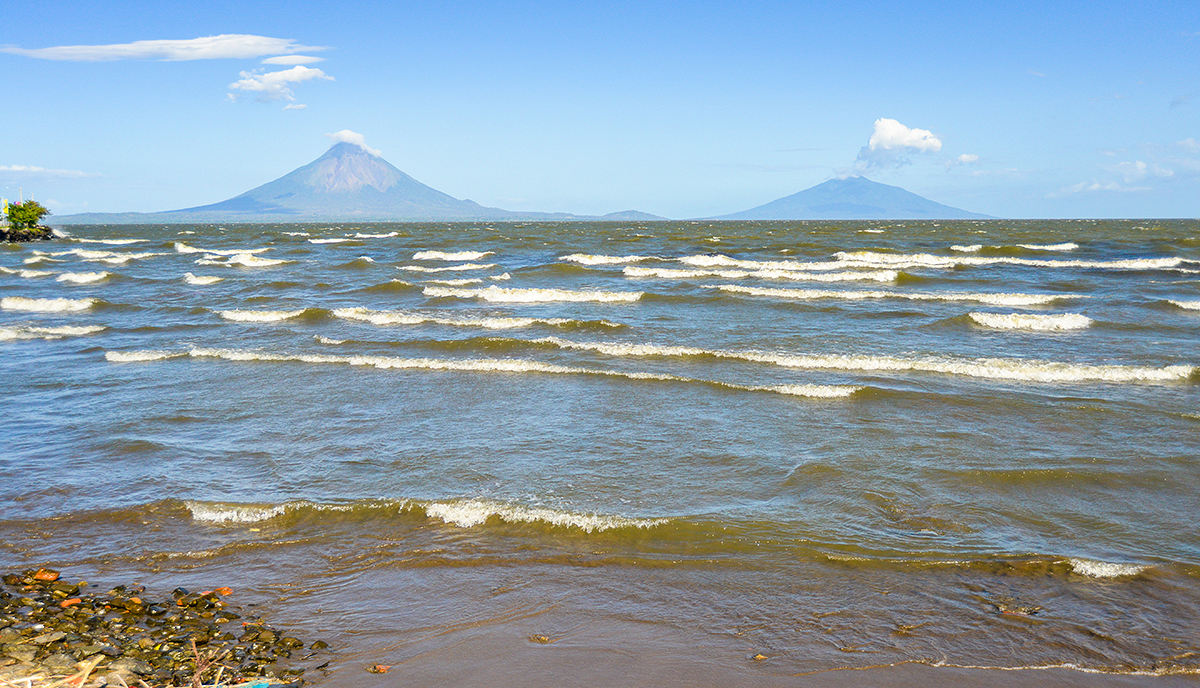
(351, 183)
(347, 183)
(853, 198)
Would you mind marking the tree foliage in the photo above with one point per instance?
(26, 215)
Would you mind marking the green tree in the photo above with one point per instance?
(26, 215)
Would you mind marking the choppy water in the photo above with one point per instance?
(837, 445)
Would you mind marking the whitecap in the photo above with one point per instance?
(1187, 305)
(474, 512)
(141, 356)
(972, 248)
(1104, 569)
(995, 299)
(456, 282)
(588, 259)
(181, 247)
(111, 242)
(25, 273)
(532, 295)
(453, 255)
(770, 274)
(329, 241)
(259, 316)
(916, 260)
(1037, 323)
(22, 332)
(452, 268)
(20, 303)
(201, 279)
(360, 235)
(247, 260)
(1066, 246)
(1014, 369)
(234, 513)
(492, 323)
(82, 277)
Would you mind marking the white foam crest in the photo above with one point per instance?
(111, 242)
(246, 260)
(201, 279)
(533, 295)
(972, 248)
(330, 241)
(1037, 323)
(292, 234)
(259, 316)
(588, 259)
(492, 323)
(706, 261)
(141, 356)
(16, 333)
(1066, 246)
(360, 235)
(795, 275)
(332, 342)
(28, 274)
(82, 277)
(457, 282)
(501, 277)
(368, 259)
(21, 303)
(453, 255)
(234, 513)
(910, 260)
(998, 299)
(1104, 569)
(988, 368)
(109, 257)
(452, 268)
(474, 512)
(184, 248)
(1187, 305)
(485, 365)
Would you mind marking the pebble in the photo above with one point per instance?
(49, 626)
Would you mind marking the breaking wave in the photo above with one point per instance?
(1104, 569)
(455, 255)
(21, 332)
(1187, 305)
(492, 323)
(796, 275)
(452, 268)
(1036, 323)
(587, 259)
(998, 299)
(485, 365)
(245, 259)
(905, 260)
(181, 247)
(1014, 369)
(514, 295)
(21, 303)
(259, 316)
(201, 279)
(83, 277)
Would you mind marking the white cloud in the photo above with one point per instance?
(1138, 170)
(892, 145)
(347, 136)
(1189, 145)
(29, 171)
(274, 85)
(964, 159)
(1095, 186)
(225, 46)
(292, 60)
(294, 106)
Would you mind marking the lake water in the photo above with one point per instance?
(678, 453)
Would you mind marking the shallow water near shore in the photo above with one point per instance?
(679, 453)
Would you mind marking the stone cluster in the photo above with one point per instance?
(52, 628)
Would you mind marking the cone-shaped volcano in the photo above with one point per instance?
(856, 198)
(347, 182)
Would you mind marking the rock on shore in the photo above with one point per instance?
(51, 630)
(38, 233)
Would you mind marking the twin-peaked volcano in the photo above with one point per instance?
(347, 183)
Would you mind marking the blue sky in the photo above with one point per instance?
(682, 109)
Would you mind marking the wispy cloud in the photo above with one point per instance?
(292, 60)
(225, 46)
(893, 144)
(347, 136)
(1095, 185)
(293, 106)
(964, 159)
(33, 172)
(275, 85)
(1034, 72)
